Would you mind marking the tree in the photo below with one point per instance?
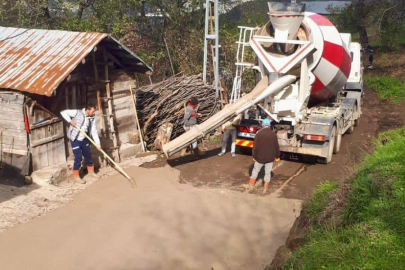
(146, 26)
(382, 18)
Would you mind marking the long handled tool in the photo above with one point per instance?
(121, 170)
(137, 120)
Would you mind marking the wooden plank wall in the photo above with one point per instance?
(12, 127)
(82, 88)
(124, 118)
(122, 105)
(47, 138)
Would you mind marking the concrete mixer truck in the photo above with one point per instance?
(310, 85)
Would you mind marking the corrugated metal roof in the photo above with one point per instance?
(37, 61)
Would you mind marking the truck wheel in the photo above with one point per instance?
(351, 128)
(357, 120)
(330, 148)
(338, 142)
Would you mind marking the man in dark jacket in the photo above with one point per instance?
(265, 151)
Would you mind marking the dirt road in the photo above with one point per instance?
(230, 173)
(159, 225)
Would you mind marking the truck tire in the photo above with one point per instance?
(353, 120)
(338, 142)
(330, 148)
(357, 120)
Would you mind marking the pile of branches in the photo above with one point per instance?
(165, 102)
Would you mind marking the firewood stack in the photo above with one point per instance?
(165, 102)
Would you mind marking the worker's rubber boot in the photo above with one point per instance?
(251, 184)
(91, 173)
(266, 187)
(76, 177)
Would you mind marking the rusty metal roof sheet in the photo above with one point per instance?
(37, 61)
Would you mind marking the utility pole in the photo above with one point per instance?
(211, 36)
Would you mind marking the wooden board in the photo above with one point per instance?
(11, 97)
(47, 141)
(19, 139)
(8, 147)
(13, 116)
(10, 108)
(13, 136)
(10, 124)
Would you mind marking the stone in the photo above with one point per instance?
(133, 137)
(51, 175)
(129, 150)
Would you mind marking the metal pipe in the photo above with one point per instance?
(272, 89)
(207, 6)
(216, 48)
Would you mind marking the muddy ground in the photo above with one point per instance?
(292, 177)
(185, 214)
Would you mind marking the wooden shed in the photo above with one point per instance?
(43, 72)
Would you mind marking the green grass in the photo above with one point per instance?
(387, 87)
(319, 200)
(370, 233)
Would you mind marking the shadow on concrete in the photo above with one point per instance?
(12, 183)
(189, 158)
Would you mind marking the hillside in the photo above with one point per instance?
(360, 224)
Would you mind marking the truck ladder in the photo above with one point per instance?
(245, 35)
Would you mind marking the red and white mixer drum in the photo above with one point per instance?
(331, 62)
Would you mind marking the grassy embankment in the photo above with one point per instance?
(387, 87)
(369, 232)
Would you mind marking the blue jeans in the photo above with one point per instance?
(80, 149)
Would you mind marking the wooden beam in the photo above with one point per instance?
(97, 85)
(67, 96)
(47, 140)
(110, 109)
(16, 152)
(136, 119)
(74, 91)
(45, 123)
(115, 60)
